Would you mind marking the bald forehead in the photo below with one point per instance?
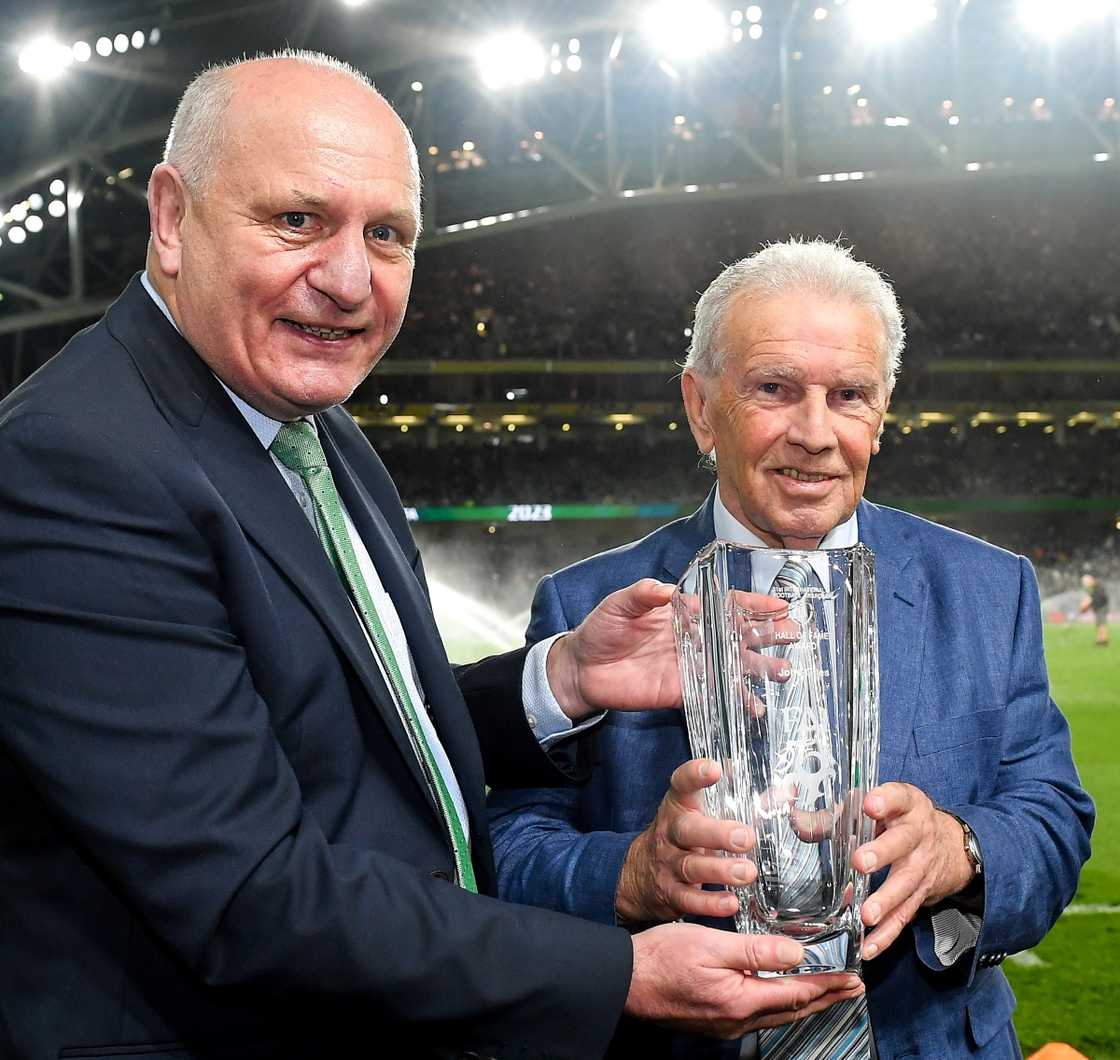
(281, 94)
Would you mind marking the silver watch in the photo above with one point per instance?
(971, 845)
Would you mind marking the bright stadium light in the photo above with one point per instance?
(510, 59)
(1046, 18)
(44, 58)
(682, 30)
(883, 21)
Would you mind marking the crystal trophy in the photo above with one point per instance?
(779, 663)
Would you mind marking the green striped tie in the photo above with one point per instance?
(297, 447)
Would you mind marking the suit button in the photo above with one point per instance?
(439, 874)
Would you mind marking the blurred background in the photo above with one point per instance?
(588, 168)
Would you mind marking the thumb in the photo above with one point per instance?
(645, 595)
(756, 953)
(692, 777)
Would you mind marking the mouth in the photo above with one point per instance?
(803, 476)
(324, 333)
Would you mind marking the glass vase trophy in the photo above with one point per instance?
(779, 664)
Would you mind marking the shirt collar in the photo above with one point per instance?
(264, 427)
(728, 528)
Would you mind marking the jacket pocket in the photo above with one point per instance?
(990, 1005)
(945, 734)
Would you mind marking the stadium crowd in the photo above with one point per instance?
(990, 267)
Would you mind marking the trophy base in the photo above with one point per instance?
(838, 952)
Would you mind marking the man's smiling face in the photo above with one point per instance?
(795, 414)
(296, 257)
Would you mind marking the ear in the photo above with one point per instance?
(877, 443)
(167, 209)
(698, 409)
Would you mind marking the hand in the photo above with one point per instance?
(667, 863)
(699, 979)
(622, 656)
(925, 851)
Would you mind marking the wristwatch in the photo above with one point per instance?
(971, 845)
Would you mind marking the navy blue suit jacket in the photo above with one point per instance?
(966, 717)
(214, 837)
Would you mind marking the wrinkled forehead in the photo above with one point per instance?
(805, 325)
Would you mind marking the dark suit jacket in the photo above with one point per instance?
(214, 835)
(966, 716)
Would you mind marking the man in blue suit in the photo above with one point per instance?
(982, 825)
(242, 790)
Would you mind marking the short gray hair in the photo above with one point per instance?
(197, 134)
(815, 266)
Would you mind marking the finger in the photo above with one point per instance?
(691, 901)
(811, 826)
(641, 597)
(890, 928)
(887, 848)
(707, 868)
(694, 831)
(765, 667)
(791, 997)
(692, 777)
(757, 953)
(819, 1004)
(889, 800)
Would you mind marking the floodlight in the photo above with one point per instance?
(138, 38)
(1046, 18)
(56, 208)
(509, 59)
(883, 21)
(34, 223)
(81, 51)
(16, 235)
(682, 30)
(35, 201)
(120, 42)
(104, 47)
(44, 58)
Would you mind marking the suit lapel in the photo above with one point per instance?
(698, 530)
(413, 609)
(902, 599)
(244, 475)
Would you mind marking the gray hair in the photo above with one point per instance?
(197, 134)
(815, 266)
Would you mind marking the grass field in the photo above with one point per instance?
(1069, 986)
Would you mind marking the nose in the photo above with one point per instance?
(342, 271)
(810, 424)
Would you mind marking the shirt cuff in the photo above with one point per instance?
(543, 713)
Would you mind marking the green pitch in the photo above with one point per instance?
(1073, 995)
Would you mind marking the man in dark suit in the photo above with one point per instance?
(242, 788)
(982, 822)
